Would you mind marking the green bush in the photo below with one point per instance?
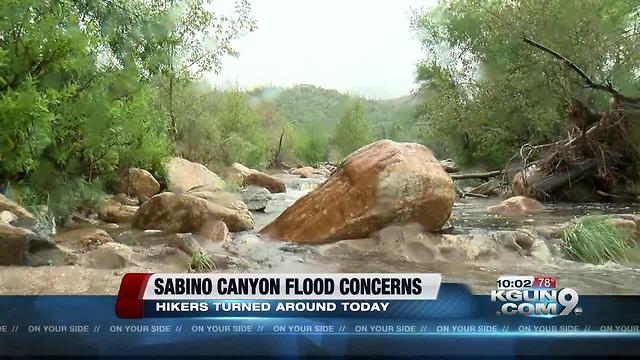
(595, 240)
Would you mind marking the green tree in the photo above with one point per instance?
(311, 144)
(485, 92)
(351, 132)
(238, 132)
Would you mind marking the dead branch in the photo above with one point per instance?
(485, 175)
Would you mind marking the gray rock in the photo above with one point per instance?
(255, 197)
(185, 242)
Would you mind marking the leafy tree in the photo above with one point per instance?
(486, 93)
(193, 40)
(311, 144)
(351, 132)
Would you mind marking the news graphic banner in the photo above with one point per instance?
(322, 314)
(198, 295)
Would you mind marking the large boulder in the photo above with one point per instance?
(187, 213)
(516, 206)
(136, 182)
(184, 175)
(379, 184)
(246, 176)
(255, 197)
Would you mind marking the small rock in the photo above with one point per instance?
(124, 199)
(7, 204)
(7, 216)
(309, 172)
(255, 197)
(86, 238)
(254, 177)
(186, 243)
(516, 206)
(111, 255)
(215, 231)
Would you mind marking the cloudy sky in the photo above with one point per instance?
(358, 46)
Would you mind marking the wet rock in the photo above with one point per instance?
(379, 184)
(475, 246)
(7, 216)
(524, 243)
(248, 176)
(522, 180)
(184, 175)
(135, 182)
(39, 242)
(142, 199)
(76, 221)
(310, 172)
(186, 243)
(256, 198)
(629, 223)
(552, 231)
(215, 231)
(110, 255)
(516, 206)
(124, 199)
(7, 204)
(449, 166)
(14, 244)
(408, 241)
(43, 224)
(487, 188)
(182, 213)
(115, 212)
(85, 238)
(56, 256)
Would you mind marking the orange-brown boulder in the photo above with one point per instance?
(248, 176)
(381, 183)
(516, 206)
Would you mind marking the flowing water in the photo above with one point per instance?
(468, 217)
(395, 249)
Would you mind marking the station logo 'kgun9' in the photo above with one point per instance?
(534, 296)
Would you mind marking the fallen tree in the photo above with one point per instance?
(598, 155)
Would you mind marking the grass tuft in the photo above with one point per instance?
(200, 262)
(594, 240)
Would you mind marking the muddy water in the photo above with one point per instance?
(469, 217)
(401, 249)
